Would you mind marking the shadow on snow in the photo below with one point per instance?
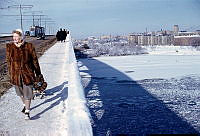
(124, 107)
(62, 94)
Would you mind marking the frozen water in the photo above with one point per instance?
(144, 94)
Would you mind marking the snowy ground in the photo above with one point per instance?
(144, 94)
(172, 50)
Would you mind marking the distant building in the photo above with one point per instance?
(166, 37)
(133, 39)
(154, 40)
(176, 29)
(168, 32)
(105, 37)
(164, 40)
(159, 40)
(185, 33)
(142, 40)
(150, 39)
(193, 40)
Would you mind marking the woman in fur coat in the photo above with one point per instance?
(23, 68)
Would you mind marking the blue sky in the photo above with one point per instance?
(97, 17)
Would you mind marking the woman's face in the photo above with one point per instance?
(16, 38)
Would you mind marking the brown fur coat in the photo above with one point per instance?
(22, 62)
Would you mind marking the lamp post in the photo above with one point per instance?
(21, 7)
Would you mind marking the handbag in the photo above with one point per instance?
(39, 84)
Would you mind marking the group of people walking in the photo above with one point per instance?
(61, 35)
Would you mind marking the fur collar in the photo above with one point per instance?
(19, 44)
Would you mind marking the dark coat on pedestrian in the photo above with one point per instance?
(58, 35)
(22, 63)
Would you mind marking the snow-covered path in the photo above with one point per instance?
(50, 115)
(46, 114)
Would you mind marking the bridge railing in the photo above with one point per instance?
(78, 112)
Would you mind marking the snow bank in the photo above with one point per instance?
(78, 113)
(172, 50)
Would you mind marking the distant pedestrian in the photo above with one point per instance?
(58, 36)
(61, 35)
(67, 32)
(64, 35)
(23, 68)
